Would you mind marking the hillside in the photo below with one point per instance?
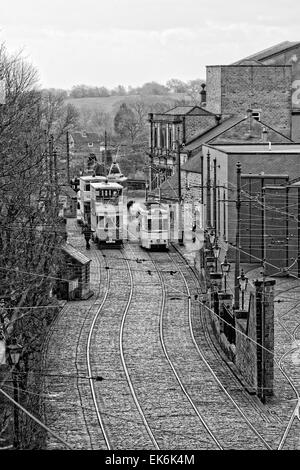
(108, 104)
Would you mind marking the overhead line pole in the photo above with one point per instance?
(68, 159)
(237, 239)
(215, 197)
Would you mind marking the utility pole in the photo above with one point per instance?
(237, 239)
(150, 120)
(208, 203)
(15, 377)
(55, 175)
(179, 170)
(105, 152)
(68, 159)
(179, 192)
(202, 179)
(263, 313)
(215, 197)
(51, 159)
(219, 208)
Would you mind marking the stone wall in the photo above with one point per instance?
(245, 359)
(197, 124)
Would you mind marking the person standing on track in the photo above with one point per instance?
(87, 232)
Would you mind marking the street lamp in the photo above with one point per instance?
(216, 250)
(243, 282)
(225, 268)
(212, 237)
(210, 263)
(15, 351)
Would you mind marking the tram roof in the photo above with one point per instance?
(93, 178)
(106, 185)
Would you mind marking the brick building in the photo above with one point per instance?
(85, 149)
(284, 53)
(74, 274)
(277, 161)
(281, 215)
(266, 89)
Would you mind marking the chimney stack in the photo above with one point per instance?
(203, 94)
(264, 135)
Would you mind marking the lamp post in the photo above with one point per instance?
(14, 351)
(210, 263)
(225, 268)
(216, 250)
(212, 236)
(243, 282)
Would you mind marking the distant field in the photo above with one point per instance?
(109, 104)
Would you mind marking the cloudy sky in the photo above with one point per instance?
(130, 42)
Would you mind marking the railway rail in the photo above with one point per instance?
(271, 427)
(222, 414)
(163, 385)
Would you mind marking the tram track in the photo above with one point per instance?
(70, 389)
(138, 405)
(216, 426)
(175, 418)
(292, 376)
(120, 415)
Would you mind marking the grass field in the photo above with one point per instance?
(111, 103)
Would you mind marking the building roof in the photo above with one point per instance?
(211, 133)
(87, 138)
(93, 178)
(68, 191)
(193, 164)
(185, 110)
(106, 184)
(257, 148)
(270, 51)
(169, 188)
(74, 253)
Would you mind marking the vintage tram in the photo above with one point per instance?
(107, 213)
(155, 225)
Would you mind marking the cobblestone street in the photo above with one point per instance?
(70, 407)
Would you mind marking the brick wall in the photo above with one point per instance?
(296, 127)
(234, 89)
(265, 336)
(279, 163)
(281, 229)
(213, 89)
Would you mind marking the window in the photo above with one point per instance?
(256, 115)
(88, 187)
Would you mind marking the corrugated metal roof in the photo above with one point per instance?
(74, 253)
(266, 53)
(206, 136)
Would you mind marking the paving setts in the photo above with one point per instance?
(156, 391)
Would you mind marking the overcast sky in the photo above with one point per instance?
(130, 42)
